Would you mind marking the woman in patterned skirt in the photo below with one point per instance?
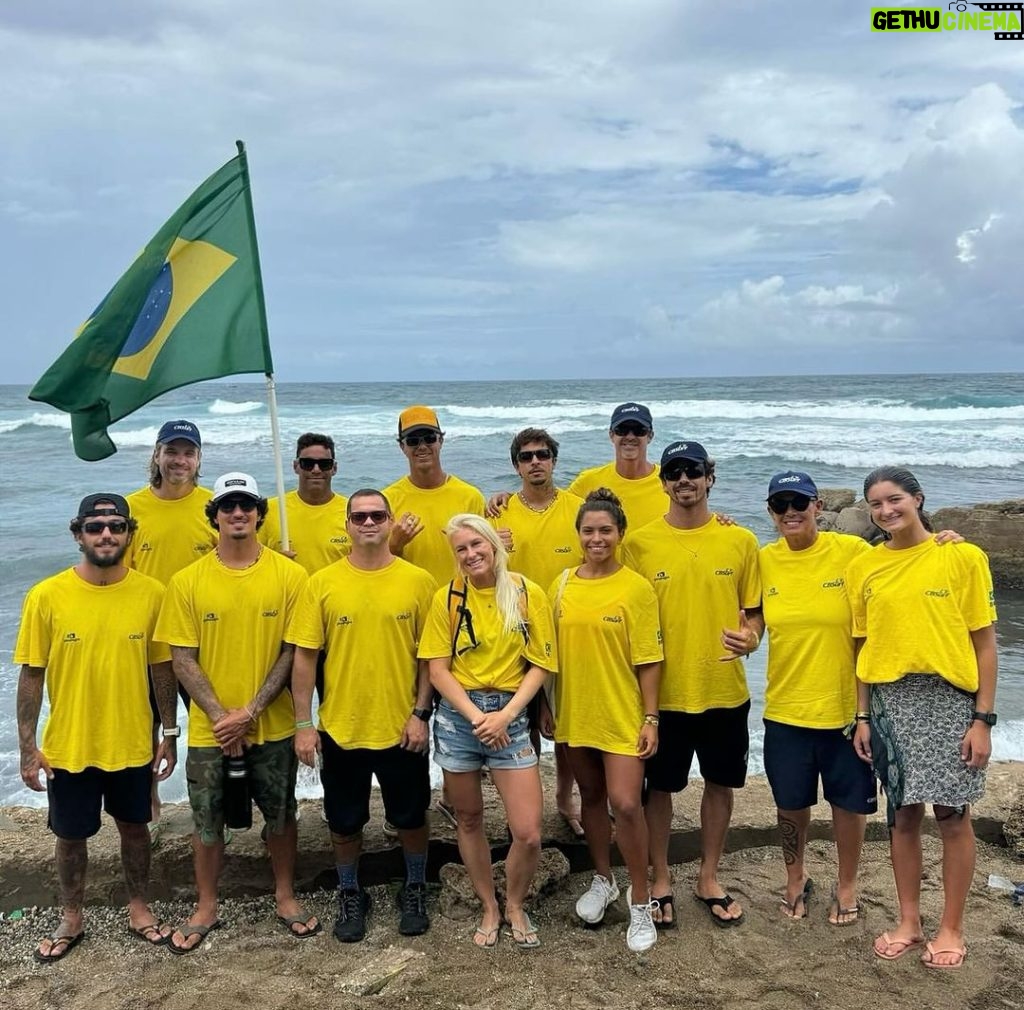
(926, 667)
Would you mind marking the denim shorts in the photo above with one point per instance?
(457, 750)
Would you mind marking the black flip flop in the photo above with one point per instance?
(70, 943)
(187, 931)
(662, 902)
(803, 896)
(723, 903)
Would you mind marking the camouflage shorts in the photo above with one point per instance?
(272, 768)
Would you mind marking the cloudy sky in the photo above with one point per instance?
(480, 189)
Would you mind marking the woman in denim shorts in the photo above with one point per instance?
(489, 640)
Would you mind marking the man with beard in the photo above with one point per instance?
(706, 577)
(88, 633)
(225, 619)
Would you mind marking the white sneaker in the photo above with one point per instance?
(641, 934)
(591, 906)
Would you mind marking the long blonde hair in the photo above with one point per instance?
(506, 591)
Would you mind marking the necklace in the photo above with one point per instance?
(533, 508)
(239, 568)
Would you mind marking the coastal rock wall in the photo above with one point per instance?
(996, 527)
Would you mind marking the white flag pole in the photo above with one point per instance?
(275, 434)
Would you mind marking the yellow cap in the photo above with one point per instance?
(417, 417)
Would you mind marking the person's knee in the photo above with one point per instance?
(592, 793)
(908, 819)
(953, 821)
(470, 819)
(627, 807)
(528, 836)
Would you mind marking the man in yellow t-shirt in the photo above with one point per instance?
(706, 578)
(538, 528)
(811, 691)
(631, 475)
(173, 531)
(225, 619)
(317, 535)
(427, 498)
(366, 613)
(88, 634)
(423, 503)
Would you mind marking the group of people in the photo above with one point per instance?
(612, 617)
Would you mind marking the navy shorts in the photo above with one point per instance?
(76, 799)
(795, 757)
(347, 773)
(720, 739)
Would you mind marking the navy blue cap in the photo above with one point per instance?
(171, 430)
(794, 481)
(692, 451)
(631, 412)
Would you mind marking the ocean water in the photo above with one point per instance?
(963, 435)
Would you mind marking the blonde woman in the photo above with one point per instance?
(489, 641)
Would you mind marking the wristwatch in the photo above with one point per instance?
(170, 731)
(988, 718)
(422, 713)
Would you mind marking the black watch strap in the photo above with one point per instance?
(422, 713)
(988, 718)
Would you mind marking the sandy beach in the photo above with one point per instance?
(767, 962)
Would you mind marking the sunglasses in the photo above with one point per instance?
(230, 504)
(630, 428)
(310, 463)
(798, 503)
(528, 455)
(116, 526)
(377, 516)
(430, 438)
(676, 470)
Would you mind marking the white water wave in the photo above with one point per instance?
(233, 407)
(37, 420)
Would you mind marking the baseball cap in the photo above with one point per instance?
(631, 412)
(792, 480)
(684, 450)
(417, 417)
(235, 483)
(112, 505)
(171, 430)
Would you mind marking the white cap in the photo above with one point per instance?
(235, 483)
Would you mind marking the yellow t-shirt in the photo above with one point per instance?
(811, 680)
(500, 659)
(702, 578)
(237, 618)
(434, 506)
(643, 498)
(95, 643)
(606, 627)
(369, 622)
(544, 543)
(915, 608)
(316, 533)
(171, 533)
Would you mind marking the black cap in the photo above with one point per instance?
(104, 504)
(631, 412)
(692, 451)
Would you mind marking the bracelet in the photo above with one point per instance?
(250, 714)
(862, 717)
(304, 724)
(651, 720)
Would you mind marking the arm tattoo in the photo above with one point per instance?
(30, 700)
(190, 673)
(165, 691)
(275, 681)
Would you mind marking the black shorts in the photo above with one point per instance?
(720, 739)
(404, 779)
(76, 799)
(794, 758)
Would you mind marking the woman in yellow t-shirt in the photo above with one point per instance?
(609, 659)
(927, 680)
(489, 640)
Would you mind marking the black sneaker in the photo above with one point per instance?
(412, 903)
(353, 908)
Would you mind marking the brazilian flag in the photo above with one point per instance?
(189, 308)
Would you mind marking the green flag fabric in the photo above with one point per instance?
(189, 308)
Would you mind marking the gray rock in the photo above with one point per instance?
(998, 529)
(835, 499)
(856, 519)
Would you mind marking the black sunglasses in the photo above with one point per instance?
(230, 504)
(798, 503)
(676, 470)
(377, 516)
(312, 463)
(527, 455)
(116, 526)
(414, 440)
(631, 428)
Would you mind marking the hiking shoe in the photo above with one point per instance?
(591, 907)
(641, 934)
(412, 903)
(353, 908)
